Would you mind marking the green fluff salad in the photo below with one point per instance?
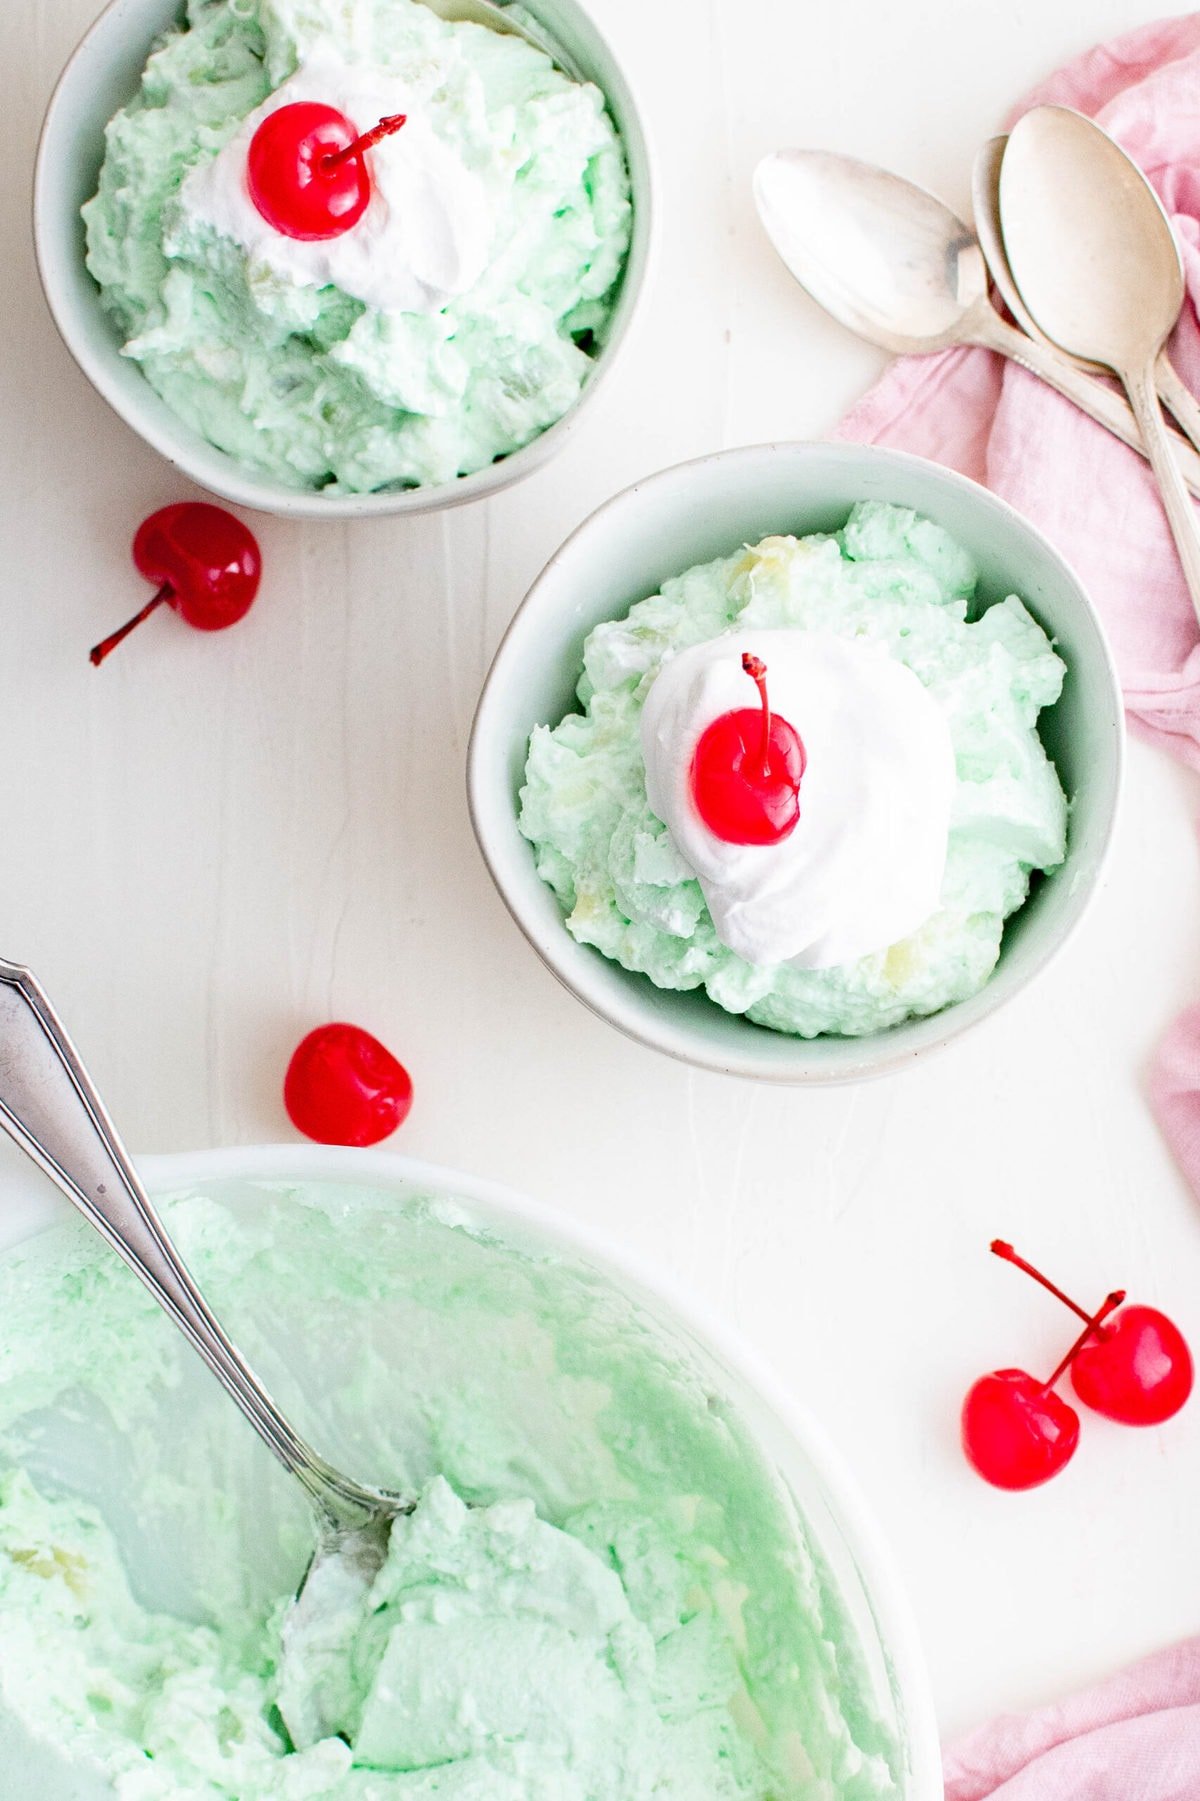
(926, 808)
(453, 322)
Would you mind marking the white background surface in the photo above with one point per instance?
(215, 843)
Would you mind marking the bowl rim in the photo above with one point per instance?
(875, 1054)
(882, 1584)
(235, 482)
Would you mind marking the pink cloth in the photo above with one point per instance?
(1137, 1737)
(1094, 498)
(1134, 1738)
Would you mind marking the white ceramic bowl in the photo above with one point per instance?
(890, 1684)
(102, 76)
(705, 509)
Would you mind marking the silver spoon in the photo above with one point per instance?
(1096, 263)
(502, 19)
(985, 198)
(50, 1107)
(893, 263)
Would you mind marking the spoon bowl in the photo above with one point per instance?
(985, 206)
(1097, 266)
(1091, 250)
(896, 265)
(881, 254)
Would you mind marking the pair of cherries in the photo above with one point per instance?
(1131, 1364)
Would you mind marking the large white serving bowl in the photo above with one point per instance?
(706, 509)
(890, 1682)
(101, 77)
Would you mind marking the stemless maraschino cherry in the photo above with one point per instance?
(344, 1087)
(307, 172)
(204, 563)
(1137, 1370)
(1016, 1431)
(746, 770)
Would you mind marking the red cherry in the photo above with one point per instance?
(205, 563)
(1137, 1369)
(307, 172)
(745, 776)
(344, 1087)
(1016, 1431)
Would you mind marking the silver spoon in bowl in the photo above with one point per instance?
(50, 1107)
(890, 261)
(504, 20)
(985, 200)
(1097, 266)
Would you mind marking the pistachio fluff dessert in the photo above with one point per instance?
(838, 851)
(356, 246)
(604, 1592)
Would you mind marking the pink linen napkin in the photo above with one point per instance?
(1137, 1736)
(1134, 1738)
(1094, 498)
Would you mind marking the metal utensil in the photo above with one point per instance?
(502, 19)
(893, 263)
(50, 1107)
(985, 198)
(1096, 263)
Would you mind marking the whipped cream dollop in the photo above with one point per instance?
(426, 234)
(864, 866)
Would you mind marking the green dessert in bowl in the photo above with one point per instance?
(859, 861)
(926, 804)
(605, 1592)
(398, 315)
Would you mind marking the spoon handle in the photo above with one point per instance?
(1177, 397)
(1181, 516)
(1093, 397)
(50, 1107)
(498, 18)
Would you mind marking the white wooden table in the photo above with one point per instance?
(215, 843)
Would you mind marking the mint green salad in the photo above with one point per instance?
(888, 580)
(459, 319)
(604, 1593)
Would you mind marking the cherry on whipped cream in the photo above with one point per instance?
(1137, 1369)
(344, 1087)
(746, 771)
(1016, 1431)
(307, 170)
(205, 564)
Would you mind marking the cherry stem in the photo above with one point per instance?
(1113, 1301)
(756, 669)
(335, 158)
(99, 651)
(1001, 1249)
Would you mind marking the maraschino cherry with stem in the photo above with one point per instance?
(1137, 1370)
(307, 171)
(344, 1087)
(1016, 1431)
(204, 563)
(746, 770)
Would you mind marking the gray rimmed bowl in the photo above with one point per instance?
(708, 508)
(101, 77)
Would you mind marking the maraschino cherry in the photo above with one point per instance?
(344, 1087)
(1016, 1431)
(204, 562)
(307, 172)
(1137, 1370)
(746, 770)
